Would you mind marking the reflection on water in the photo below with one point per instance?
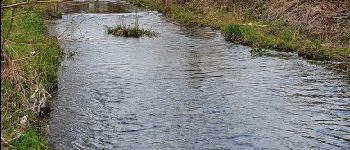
(95, 7)
(189, 89)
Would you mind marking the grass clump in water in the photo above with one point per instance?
(124, 31)
(260, 52)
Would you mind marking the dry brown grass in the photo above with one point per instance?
(25, 98)
(328, 20)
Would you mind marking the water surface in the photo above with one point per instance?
(188, 89)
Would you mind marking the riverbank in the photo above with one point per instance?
(28, 77)
(246, 29)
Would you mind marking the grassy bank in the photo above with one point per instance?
(244, 29)
(28, 74)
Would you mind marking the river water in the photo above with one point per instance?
(187, 88)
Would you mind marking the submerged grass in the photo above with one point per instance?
(260, 52)
(234, 26)
(27, 77)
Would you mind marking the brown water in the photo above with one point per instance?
(188, 89)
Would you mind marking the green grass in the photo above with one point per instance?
(35, 58)
(124, 31)
(29, 140)
(234, 32)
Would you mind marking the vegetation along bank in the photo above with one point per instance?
(317, 30)
(29, 61)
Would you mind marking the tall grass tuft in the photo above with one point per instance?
(124, 30)
(233, 32)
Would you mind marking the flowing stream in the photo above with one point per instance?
(187, 88)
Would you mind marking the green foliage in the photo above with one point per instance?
(233, 32)
(29, 140)
(32, 41)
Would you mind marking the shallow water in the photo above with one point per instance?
(188, 89)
